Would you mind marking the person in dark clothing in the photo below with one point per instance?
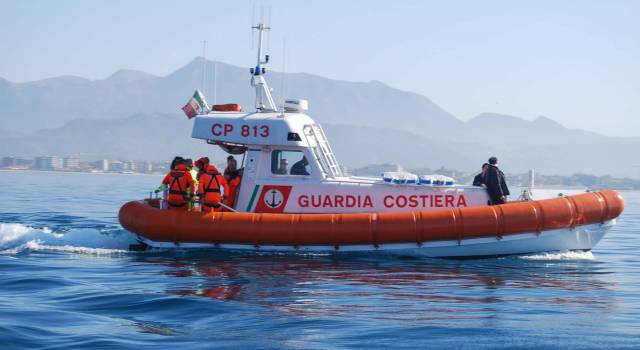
(479, 179)
(176, 160)
(231, 171)
(300, 167)
(495, 182)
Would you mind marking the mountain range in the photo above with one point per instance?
(136, 115)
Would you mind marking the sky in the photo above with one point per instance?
(576, 62)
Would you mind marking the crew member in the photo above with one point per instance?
(495, 182)
(194, 174)
(212, 189)
(284, 167)
(180, 184)
(201, 164)
(175, 161)
(233, 177)
(300, 167)
(189, 164)
(479, 180)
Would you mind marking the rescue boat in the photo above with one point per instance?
(318, 208)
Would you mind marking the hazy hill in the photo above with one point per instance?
(53, 102)
(512, 129)
(132, 114)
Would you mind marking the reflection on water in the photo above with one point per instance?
(389, 288)
(155, 329)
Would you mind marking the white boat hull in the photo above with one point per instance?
(581, 238)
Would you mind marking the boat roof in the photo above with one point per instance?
(255, 128)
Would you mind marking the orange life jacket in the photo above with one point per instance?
(233, 186)
(209, 187)
(179, 181)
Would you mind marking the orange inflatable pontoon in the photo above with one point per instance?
(369, 231)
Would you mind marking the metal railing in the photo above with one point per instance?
(322, 150)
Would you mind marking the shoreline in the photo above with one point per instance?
(81, 172)
(538, 187)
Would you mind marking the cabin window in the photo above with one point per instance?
(289, 163)
(293, 136)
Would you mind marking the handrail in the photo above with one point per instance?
(326, 157)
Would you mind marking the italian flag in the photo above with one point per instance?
(197, 105)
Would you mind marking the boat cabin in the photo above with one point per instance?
(288, 166)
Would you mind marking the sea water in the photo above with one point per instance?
(67, 281)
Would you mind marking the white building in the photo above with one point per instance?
(144, 167)
(101, 165)
(71, 163)
(49, 163)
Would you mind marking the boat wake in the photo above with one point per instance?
(567, 255)
(16, 238)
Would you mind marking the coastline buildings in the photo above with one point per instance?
(71, 163)
(116, 166)
(49, 163)
(15, 163)
(57, 163)
(144, 167)
(9, 162)
(74, 164)
(100, 165)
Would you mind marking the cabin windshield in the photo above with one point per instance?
(289, 163)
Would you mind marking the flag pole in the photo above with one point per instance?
(215, 80)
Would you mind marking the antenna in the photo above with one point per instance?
(262, 14)
(215, 80)
(268, 24)
(253, 21)
(284, 70)
(263, 92)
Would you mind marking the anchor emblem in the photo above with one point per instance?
(273, 198)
